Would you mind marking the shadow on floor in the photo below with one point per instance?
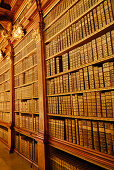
(12, 161)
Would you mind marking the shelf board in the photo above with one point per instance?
(27, 84)
(90, 37)
(76, 20)
(4, 91)
(83, 66)
(4, 111)
(7, 125)
(95, 157)
(4, 101)
(27, 98)
(4, 81)
(82, 91)
(26, 132)
(82, 117)
(35, 113)
(4, 71)
(27, 112)
(5, 62)
(3, 141)
(29, 160)
(35, 97)
(25, 70)
(50, 8)
(23, 47)
(25, 56)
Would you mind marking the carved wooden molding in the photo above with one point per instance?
(36, 35)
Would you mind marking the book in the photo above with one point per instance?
(96, 141)
(102, 137)
(109, 142)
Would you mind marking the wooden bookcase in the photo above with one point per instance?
(57, 87)
(79, 57)
(5, 101)
(26, 97)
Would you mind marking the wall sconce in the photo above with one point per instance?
(18, 31)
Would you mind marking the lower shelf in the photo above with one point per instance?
(97, 158)
(7, 125)
(32, 162)
(3, 141)
(26, 132)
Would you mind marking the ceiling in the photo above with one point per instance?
(7, 11)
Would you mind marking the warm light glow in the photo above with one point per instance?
(17, 32)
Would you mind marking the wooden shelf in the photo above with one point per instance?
(35, 113)
(25, 56)
(25, 70)
(4, 101)
(3, 141)
(4, 91)
(29, 160)
(82, 117)
(23, 47)
(90, 37)
(7, 125)
(50, 8)
(83, 66)
(76, 20)
(6, 63)
(82, 91)
(27, 84)
(29, 133)
(4, 81)
(23, 112)
(103, 160)
(4, 111)
(4, 71)
(27, 112)
(35, 98)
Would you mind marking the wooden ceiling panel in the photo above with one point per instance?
(15, 4)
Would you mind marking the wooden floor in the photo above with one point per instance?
(12, 161)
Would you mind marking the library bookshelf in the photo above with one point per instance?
(26, 98)
(5, 110)
(57, 86)
(79, 57)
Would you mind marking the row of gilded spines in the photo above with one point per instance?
(26, 77)
(26, 121)
(92, 104)
(77, 32)
(91, 134)
(102, 11)
(27, 91)
(91, 77)
(27, 147)
(95, 50)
